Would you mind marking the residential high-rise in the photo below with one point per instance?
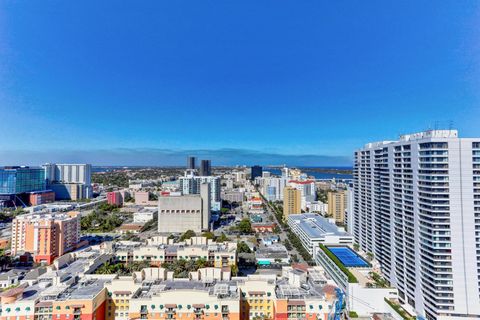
(205, 168)
(45, 236)
(256, 171)
(308, 191)
(190, 184)
(272, 187)
(417, 208)
(191, 163)
(187, 212)
(292, 201)
(337, 204)
(69, 181)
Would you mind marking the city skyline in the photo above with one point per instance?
(306, 79)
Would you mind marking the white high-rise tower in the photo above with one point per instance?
(416, 206)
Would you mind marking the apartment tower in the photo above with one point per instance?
(337, 204)
(292, 201)
(417, 208)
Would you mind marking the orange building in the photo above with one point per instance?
(85, 300)
(45, 236)
(36, 198)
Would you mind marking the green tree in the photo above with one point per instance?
(242, 247)
(222, 238)
(234, 269)
(187, 235)
(245, 226)
(5, 260)
(208, 235)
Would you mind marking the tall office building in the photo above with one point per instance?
(205, 168)
(69, 181)
(337, 204)
(16, 182)
(191, 162)
(256, 171)
(417, 208)
(292, 201)
(187, 212)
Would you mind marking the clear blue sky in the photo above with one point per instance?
(145, 82)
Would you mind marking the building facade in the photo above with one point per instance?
(190, 184)
(292, 202)
(272, 187)
(205, 168)
(337, 204)
(186, 212)
(115, 198)
(313, 230)
(16, 182)
(69, 181)
(45, 236)
(256, 171)
(191, 163)
(417, 208)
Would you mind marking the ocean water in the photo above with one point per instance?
(317, 175)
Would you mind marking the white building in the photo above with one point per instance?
(177, 214)
(145, 215)
(417, 207)
(190, 184)
(272, 187)
(349, 209)
(362, 294)
(313, 229)
(307, 189)
(317, 206)
(69, 181)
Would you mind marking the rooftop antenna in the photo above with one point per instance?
(436, 125)
(450, 125)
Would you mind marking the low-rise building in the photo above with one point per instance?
(159, 250)
(296, 294)
(36, 198)
(233, 196)
(313, 229)
(365, 289)
(127, 228)
(10, 278)
(145, 215)
(263, 227)
(255, 205)
(272, 254)
(67, 289)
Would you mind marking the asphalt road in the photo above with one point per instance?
(283, 234)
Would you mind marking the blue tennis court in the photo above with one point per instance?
(348, 257)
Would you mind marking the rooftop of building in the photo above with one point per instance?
(42, 215)
(316, 226)
(428, 134)
(85, 289)
(274, 251)
(302, 181)
(174, 247)
(220, 289)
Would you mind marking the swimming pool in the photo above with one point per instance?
(348, 257)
